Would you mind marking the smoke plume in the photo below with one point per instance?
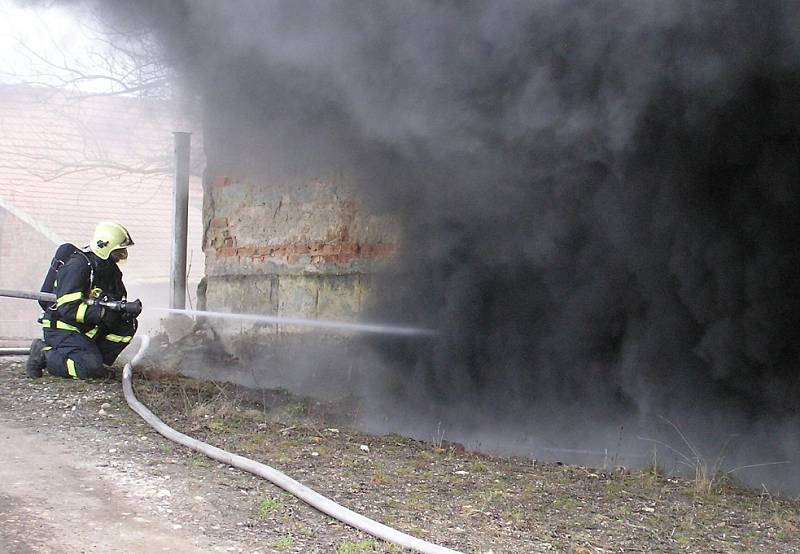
(601, 198)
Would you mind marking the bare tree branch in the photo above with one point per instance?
(116, 62)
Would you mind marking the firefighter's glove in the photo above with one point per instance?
(113, 319)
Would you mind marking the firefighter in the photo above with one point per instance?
(81, 334)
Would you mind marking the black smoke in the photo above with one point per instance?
(601, 198)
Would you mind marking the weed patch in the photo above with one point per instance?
(267, 507)
(283, 543)
(368, 545)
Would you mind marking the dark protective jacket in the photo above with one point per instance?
(82, 337)
(84, 275)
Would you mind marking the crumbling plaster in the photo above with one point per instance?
(295, 249)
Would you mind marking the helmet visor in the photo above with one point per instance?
(128, 240)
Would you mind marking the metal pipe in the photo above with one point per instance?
(307, 495)
(10, 351)
(180, 219)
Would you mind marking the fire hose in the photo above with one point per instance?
(307, 495)
(14, 351)
(133, 307)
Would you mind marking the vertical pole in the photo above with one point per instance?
(180, 219)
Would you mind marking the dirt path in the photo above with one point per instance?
(54, 500)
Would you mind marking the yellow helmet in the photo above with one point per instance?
(109, 237)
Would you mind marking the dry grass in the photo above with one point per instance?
(707, 474)
(507, 504)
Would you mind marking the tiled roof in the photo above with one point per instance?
(67, 163)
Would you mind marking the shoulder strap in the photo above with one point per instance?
(91, 267)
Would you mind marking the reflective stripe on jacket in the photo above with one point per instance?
(82, 276)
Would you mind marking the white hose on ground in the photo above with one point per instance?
(285, 482)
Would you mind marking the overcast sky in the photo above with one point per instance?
(55, 34)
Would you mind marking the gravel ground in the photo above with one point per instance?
(439, 492)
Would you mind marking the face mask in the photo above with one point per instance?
(119, 256)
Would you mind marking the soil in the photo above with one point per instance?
(80, 472)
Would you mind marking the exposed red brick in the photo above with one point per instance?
(316, 252)
(330, 248)
(219, 222)
(380, 250)
(246, 251)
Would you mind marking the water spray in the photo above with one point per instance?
(379, 328)
(331, 325)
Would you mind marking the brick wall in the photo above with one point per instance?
(302, 249)
(24, 256)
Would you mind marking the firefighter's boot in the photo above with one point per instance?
(36, 360)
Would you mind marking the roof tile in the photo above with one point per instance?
(68, 163)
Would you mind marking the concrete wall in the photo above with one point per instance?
(299, 249)
(24, 257)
